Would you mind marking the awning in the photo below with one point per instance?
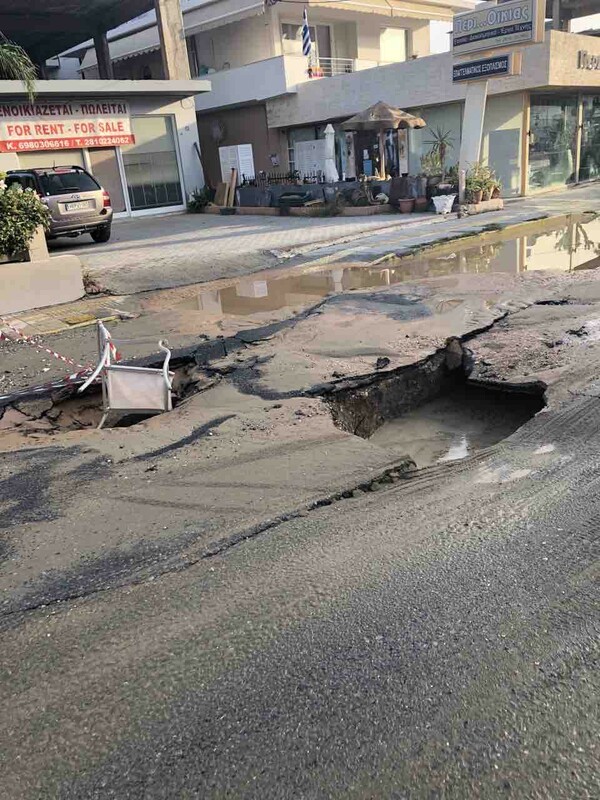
(137, 43)
(220, 12)
(208, 15)
(427, 9)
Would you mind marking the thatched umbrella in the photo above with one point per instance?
(381, 117)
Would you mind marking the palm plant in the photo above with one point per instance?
(440, 141)
(15, 65)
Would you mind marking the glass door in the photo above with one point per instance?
(552, 140)
(151, 168)
(590, 138)
(105, 168)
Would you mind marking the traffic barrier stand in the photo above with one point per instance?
(141, 390)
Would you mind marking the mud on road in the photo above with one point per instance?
(264, 594)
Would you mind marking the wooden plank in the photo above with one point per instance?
(221, 194)
(232, 187)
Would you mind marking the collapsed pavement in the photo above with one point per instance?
(153, 573)
(268, 397)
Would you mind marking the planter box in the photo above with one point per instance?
(35, 284)
(367, 211)
(485, 205)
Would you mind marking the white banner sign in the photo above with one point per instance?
(504, 25)
(56, 125)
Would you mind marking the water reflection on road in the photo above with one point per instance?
(570, 247)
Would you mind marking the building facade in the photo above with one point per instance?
(541, 128)
(251, 53)
(148, 160)
(138, 137)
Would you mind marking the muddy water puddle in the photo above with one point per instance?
(456, 425)
(564, 247)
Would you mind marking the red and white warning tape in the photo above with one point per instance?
(58, 383)
(35, 344)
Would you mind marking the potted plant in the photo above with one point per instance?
(21, 214)
(496, 189)
(440, 143)
(431, 168)
(480, 182)
(488, 177)
(473, 188)
(406, 205)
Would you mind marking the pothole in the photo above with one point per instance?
(431, 412)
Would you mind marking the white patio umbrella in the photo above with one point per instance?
(331, 173)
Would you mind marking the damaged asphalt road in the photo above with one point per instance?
(241, 599)
(372, 648)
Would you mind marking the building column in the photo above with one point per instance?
(472, 127)
(105, 67)
(173, 48)
(561, 20)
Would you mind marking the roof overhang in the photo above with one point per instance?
(145, 39)
(77, 88)
(573, 9)
(47, 27)
(422, 9)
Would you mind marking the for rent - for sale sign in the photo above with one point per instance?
(53, 125)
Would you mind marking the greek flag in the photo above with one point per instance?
(306, 42)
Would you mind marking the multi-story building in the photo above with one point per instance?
(268, 104)
(252, 54)
(139, 137)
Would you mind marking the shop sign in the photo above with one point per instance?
(514, 22)
(54, 125)
(482, 69)
(586, 60)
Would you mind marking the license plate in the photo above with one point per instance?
(78, 206)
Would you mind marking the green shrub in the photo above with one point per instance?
(21, 213)
(198, 200)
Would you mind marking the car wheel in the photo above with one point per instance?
(101, 234)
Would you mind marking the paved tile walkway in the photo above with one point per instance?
(178, 249)
(204, 248)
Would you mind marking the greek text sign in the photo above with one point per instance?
(513, 22)
(56, 125)
(482, 69)
(587, 60)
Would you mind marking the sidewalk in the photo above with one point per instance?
(175, 313)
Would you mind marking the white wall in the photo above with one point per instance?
(254, 82)
(502, 137)
(424, 82)
(236, 44)
(361, 38)
(186, 127)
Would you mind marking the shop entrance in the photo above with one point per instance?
(105, 168)
(564, 140)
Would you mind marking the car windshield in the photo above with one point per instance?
(66, 182)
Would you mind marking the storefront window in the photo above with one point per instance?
(590, 139)
(552, 140)
(150, 164)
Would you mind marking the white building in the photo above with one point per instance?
(251, 52)
(266, 106)
(139, 137)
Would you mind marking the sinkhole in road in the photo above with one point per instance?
(431, 411)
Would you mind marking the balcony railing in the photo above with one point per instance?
(328, 67)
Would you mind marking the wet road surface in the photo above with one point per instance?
(434, 639)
